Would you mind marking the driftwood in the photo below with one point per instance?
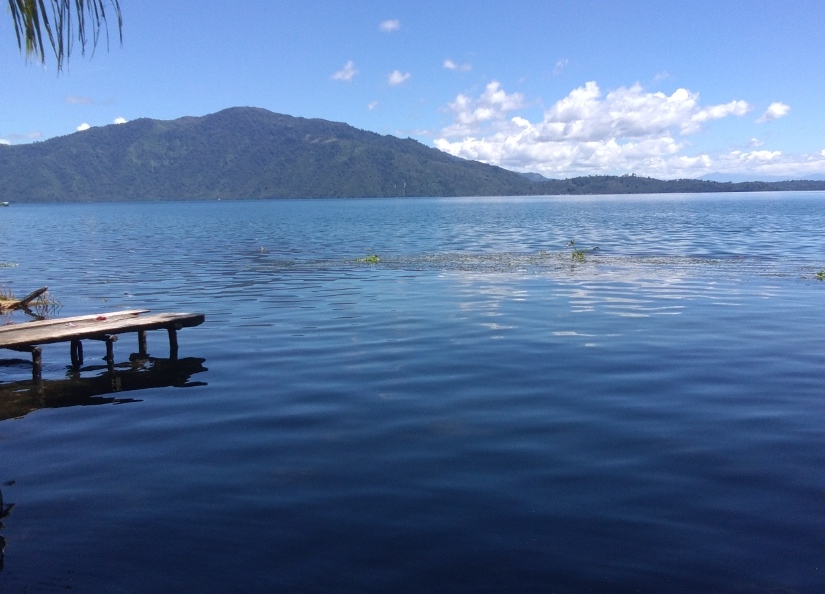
(24, 302)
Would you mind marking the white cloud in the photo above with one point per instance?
(397, 78)
(347, 73)
(774, 112)
(389, 26)
(451, 65)
(756, 143)
(629, 113)
(660, 76)
(372, 105)
(560, 66)
(492, 105)
(14, 138)
(591, 132)
(82, 127)
(77, 100)
(776, 163)
(715, 112)
(120, 120)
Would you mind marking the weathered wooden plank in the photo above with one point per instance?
(127, 313)
(62, 330)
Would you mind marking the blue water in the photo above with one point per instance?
(476, 412)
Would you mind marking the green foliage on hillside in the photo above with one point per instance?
(254, 153)
(239, 153)
(631, 184)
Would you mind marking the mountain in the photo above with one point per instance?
(533, 176)
(247, 152)
(241, 152)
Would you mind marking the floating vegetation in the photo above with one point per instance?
(8, 265)
(557, 263)
(370, 259)
(578, 254)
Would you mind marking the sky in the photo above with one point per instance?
(668, 89)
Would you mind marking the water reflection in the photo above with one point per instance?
(20, 398)
(5, 510)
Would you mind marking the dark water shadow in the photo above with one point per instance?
(5, 510)
(17, 399)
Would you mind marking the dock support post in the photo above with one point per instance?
(110, 353)
(37, 364)
(173, 343)
(77, 353)
(142, 343)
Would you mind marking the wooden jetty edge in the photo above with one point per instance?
(29, 336)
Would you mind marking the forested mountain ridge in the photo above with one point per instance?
(239, 153)
(246, 152)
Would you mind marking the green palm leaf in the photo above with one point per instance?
(60, 21)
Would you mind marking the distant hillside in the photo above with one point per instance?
(239, 153)
(738, 177)
(632, 184)
(246, 152)
(536, 177)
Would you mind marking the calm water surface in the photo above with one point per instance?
(474, 413)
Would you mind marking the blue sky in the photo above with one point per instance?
(666, 88)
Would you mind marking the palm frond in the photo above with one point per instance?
(61, 21)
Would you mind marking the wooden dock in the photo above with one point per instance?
(30, 336)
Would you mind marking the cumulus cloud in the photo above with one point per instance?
(451, 65)
(493, 105)
(389, 26)
(347, 73)
(629, 113)
(764, 162)
(76, 100)
(397, 77)
(82, 127)
(591, 131)
(774, 112)
(4, 141)
(120, 120)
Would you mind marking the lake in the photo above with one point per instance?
(477, 411)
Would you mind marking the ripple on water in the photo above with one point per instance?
(475, 411)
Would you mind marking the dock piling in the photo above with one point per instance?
(76, 350)
(173, 342)
(142, 343)
(37, 364)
